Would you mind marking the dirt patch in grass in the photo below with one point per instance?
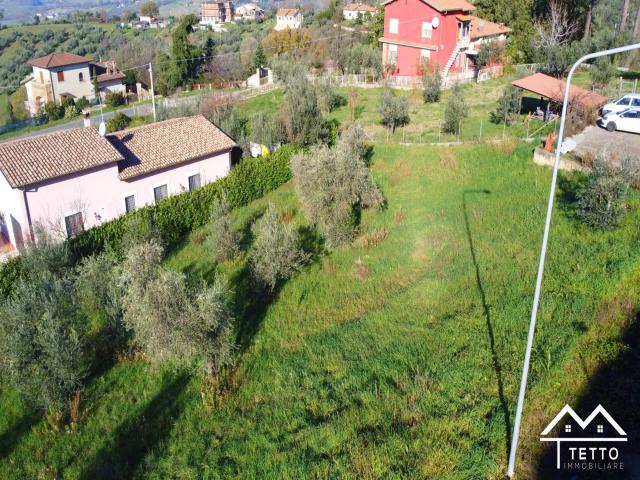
(360, 270)
(371, 239)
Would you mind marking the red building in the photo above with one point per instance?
(440, 32)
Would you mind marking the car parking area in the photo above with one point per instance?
(617, 145)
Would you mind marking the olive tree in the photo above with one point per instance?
(602, 203)
(455, 111)
(393, 109)
(222, 240)
(42, 332)
(276, 254)
(334, 184)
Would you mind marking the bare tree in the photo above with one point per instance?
(558, 29)
(625, 16)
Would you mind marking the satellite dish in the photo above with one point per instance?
(102, 129)
(435, 22)
(568, 145)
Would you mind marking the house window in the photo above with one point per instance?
(393, 25)
(392, 56)
(600, 429)
(427, 29)
(61, 76)
(81, 77)
(567, 428)
(130, 203)
(160, 192)
(194, 182)
(74, 224)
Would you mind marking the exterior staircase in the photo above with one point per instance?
(462, 43)
(449, 64)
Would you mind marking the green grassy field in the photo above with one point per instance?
(400, 360)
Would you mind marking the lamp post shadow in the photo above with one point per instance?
(487, 315)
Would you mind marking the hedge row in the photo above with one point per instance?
(176, 216)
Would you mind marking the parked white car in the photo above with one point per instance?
(631, 100)
(626, 121)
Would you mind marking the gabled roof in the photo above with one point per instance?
(164, 144)
(107, 77)
(54, 60)
(567, 410)
(38, 159)
(359, 7)
(553, 89)
(287, 12)
(445, 5)
(480, 28)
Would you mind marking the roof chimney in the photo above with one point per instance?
(86, 118)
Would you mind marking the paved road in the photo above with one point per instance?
(593, 140)
(95, 121)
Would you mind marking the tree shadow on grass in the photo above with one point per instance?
(615, 386)
(569, 186)
(487, 315)
(137, 436)
(10, 438)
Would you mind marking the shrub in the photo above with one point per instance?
(222, 241)
(432, 83)
(275, 254)
(601, 72)
(329, 99)
(41, 339)
(119, 122)
(333, 184)
(82, 103)
(10, 272)
(53, 111)
(169, 323)
(508, 106)
(115, 99)
(601, 204)
(455, 111)
(393, 109)
(303, 119)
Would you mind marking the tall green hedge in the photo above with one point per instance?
(176, 216)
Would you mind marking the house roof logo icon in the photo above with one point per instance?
(613, 432)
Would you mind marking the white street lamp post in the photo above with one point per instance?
(543, 252)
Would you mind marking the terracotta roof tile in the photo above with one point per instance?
(164, 144)
(553, 89)
(105, 77)
(445, 5)
(45, 157)
(287, 12)
(359, 7)
(58, 60)
(480, 28)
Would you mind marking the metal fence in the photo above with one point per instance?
(20, 124)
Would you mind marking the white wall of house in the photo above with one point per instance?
(99, 194)
(14, 213)
(289, 21)
(76, 81)
(113, 86)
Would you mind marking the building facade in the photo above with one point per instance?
(355, 11)
(73, 180)
(216, 13)
(440, 33)
(288, 18)
(58, 76)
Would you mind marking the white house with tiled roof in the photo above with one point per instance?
(288, 18)
(353, 11)
(72, 180)
(60, 75)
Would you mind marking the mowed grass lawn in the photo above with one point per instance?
(396, 360)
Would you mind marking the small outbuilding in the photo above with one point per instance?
(552, 89)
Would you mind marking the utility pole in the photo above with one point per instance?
(543, 252)
(153, 93)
